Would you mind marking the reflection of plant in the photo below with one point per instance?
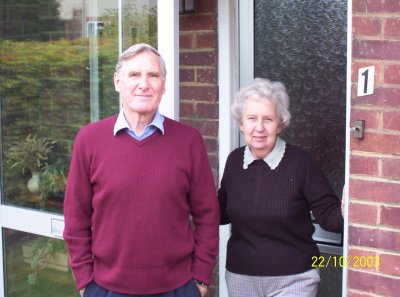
(30, 154)
(52, 180)
(40, 252)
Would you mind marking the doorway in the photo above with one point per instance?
(304, 45)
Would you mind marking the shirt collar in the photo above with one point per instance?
(272, 159)
(122, 123)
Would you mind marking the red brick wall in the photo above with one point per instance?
(198, 74)
(198, 82)
(374, 212)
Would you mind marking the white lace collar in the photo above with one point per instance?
(272, 159)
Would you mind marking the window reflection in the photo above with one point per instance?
(36, 266)
(57, 61)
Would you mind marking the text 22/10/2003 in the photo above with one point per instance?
(341, 261)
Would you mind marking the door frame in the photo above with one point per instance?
(230, 77)
(52, 224)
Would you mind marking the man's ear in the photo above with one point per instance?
(116, 81)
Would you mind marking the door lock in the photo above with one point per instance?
(358, 129)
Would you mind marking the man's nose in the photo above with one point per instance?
(143, 81)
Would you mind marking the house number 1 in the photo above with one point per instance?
(366, 77)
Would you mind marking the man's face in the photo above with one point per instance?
(141, 84)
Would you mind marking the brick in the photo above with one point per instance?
(356, 294)
(213, 159)
(363, 165)
(390, 216)
(380, 97)
(377, 143)
(207, 128)
(186, 41)
(391, 168)
(371, 117)
(206, 58)
(374, 238)
(362, 260)
(200, 93)
(215, 175)
(205, 6)
(363, 213)
(366, 26)
(373, 283)
(186, 109)
(206, 40)
(186, 75)
(392, 74)
(193, 22)
(357, 65)
(390, 264)
(211, 144)
(208, 76)
(391, 120)
(205, 110)
(376, 49)
(374, 191)
(391, 6)
(392, 27)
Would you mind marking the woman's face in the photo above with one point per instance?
(261, 126)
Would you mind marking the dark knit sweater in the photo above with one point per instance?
(270, 213)
(127, 209)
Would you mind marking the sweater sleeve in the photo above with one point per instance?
(203, 205)
(322, 200)
(77, 216)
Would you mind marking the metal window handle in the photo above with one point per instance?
(57, 228)
(358, 129)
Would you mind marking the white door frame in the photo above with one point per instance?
(229, 80)
(52, 224)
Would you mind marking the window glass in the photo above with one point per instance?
(303, 44)
(57, 61)
(36, 266)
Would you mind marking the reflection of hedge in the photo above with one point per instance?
(45, 91)
(45, 86)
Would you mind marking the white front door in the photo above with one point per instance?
(304, 45)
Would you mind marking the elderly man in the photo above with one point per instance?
(137, 182)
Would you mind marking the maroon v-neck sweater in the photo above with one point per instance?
(127, 209)
(270, 213)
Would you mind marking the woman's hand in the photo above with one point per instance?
(81, 292)
(344, 199)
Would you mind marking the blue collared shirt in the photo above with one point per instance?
(156, 124)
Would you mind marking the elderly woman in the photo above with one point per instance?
(267, 192)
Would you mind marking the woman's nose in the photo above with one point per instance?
(260, 126)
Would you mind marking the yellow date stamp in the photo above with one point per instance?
(345, 262)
